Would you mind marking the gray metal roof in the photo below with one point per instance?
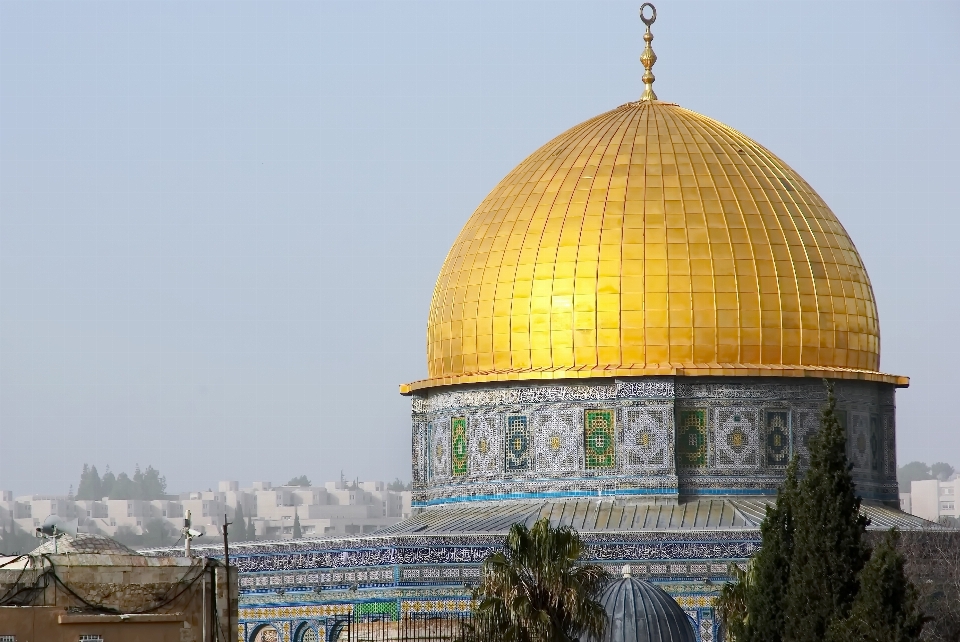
(608, 516)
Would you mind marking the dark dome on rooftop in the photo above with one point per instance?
(638, 611)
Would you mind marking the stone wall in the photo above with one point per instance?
(60, 597)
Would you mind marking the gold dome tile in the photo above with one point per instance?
(652, 240)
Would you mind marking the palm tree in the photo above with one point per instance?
(731, 603)
(537, 590)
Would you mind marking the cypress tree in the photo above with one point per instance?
(297, 532)
(106, 484)
(829, 550)
(90, 487)
(152, 484)
(766, 596)
(887, 607)
(251, 530)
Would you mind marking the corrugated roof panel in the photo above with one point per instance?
(580, 514)
(612, 517)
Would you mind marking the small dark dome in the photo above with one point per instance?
(638, 611)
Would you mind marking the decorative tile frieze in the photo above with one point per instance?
(503, 458)
(518, 445)
(557, 438)
(599, 441)
(439, 440)
(736, 443)
(858, 440)
(692, 438)
(646, 437)
(776, 437)
(458, 446)
(486, 444)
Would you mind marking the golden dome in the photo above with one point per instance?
(652, 240)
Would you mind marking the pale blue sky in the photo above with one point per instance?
(220, 222)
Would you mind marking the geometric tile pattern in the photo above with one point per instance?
(377, 608)
(706, 630)
(307, 634)
(419, 453)
(806, 423)
(598, 439)
(435, 606)
(557, 437)
(692, 438)
(737, 438)
(777, 438)
(890, 446)
(859, 440)
(485, 445)
(518, 449)
(723, 433)
(439, 450)
(645, 439)
(458, 446)
(281, 612)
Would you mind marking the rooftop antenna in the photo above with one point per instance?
(648, 58)
(226, 564)
(54, 528)
(188, 534)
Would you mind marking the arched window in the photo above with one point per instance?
(306, 633)
(265, 634)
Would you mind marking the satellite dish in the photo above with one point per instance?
(53, 526)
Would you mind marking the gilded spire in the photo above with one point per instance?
(648, 58)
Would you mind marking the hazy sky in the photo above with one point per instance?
(221, 222)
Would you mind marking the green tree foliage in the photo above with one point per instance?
(251, 531)
(127, 536)
(153, 485)
(157, 532)
(942, 470)
(732, 603)
(811, 579)
(887, 607)
(90, 486)
(829, 549)
(914, 471)
(239, 525)
(537, 590)
(397, 485)
(124, 488)
(297, 531)
(299, 481)
(765, 592)
(146, 484)
(106, 484)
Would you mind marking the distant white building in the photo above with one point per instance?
(336, 508)
(933, 499)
